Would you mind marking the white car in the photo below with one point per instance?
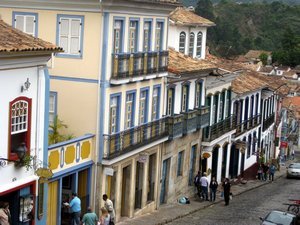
(293, 170)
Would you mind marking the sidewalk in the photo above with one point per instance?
(170, 212)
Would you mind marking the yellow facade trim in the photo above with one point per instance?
(70, 154)
(53, 160)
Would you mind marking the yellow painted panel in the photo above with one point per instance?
(70, 154)
(82, 189)
(52, 203)
(53, 160)
(85, 150)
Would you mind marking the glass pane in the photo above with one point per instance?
(75, 27)
(29, 25)
(64, 44)
(19, 24)
(75, 45)
(64, 27)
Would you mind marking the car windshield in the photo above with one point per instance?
(295, 166)
(280, 218)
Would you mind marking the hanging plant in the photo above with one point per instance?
(27, 162)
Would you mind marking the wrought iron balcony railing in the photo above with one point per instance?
(247, 125)
(218, 129)
(175, 126)
(268, 122)
(128, 140)
(203, 117)
(189, 121)
(129, 65)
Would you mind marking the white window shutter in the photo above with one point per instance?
(75, 36)
(75, 48)
(63, 35)
(29, 25)
(19, 22)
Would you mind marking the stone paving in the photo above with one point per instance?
(170, 212)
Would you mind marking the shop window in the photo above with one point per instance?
(20, 124)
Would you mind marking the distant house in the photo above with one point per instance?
(266, 70)
(253, 56)
(281, 69)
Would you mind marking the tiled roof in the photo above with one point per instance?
(293, 104)
(13, 40)
(182, 16)
(292, 74)
(180, 63)
(266, 69)
(254, 54)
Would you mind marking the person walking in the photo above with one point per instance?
(90, 218)
(260, 172)
(197, 183)
(75, 206)
(293, 154)
(108, 204)
(265, 171)
(105, 218)
(226, 190)
(204, 186)
(5, 217)
(213, 189)
(272, 170)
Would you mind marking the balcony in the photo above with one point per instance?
(268, 122)
(175, 124)
(247, 125)
(217, 130)
(203, 117)
(189, 121)
(133, 138)
(130, 67)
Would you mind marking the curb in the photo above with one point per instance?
(214, 203)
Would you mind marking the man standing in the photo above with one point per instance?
(197, 183)
(109, 207)
(226, 189)
(204, 186)
(75, 206)
(272, 170)
(90, 218)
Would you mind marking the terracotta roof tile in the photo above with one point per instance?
(182, 16)
(13, 40)
(180, 63)
(254, 54)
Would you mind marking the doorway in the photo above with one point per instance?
(215, 159)
(165, 181)
(125, 204)
(224, 162)
(203, 165)
(139, 185)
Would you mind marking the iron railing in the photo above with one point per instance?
(268, 122)
(128, 65)
(189, 121)
(203, 117)
(175, 125)
(218, 129)
(247, 125)
(128, 140)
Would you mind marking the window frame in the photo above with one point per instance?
(198, 98)
(118, 97)
(180, 162)
(136, 38)
(54, 94)
(170, 110)
(146, 90)
(191, 47)
(182, 49)
(133, 93)
(161, 41)
(122, 34)
(157, 111)
(81, 35)
(199, 47)
(36, 19)
(150, 21)
(187, 86)
(11, 154)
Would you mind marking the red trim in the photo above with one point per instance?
(11, 155)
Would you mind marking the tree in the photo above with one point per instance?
(54, 135)
(205, 9)
(263, 58)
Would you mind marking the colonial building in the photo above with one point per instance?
(24, 91)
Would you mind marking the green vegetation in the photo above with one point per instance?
(263, 26)
(55, 135)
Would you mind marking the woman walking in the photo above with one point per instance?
(213, 189)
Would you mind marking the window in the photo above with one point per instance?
(252, 106)
(155, 103)
(184, 98)
(158, 36)
(114, 114)
(228, 104)
(199, 44)
(129, 113)
(180, 163)
(249, 145)
(147, 36)
(191, 44)
(170, 101)
(70, 34)
(20, 121)
(52, 107)
(143, 106)
(26, 22)
(118, 36)
(40, 201)
(133, 29)
(221, 110)
(182, 42)
(198, 94)
(215, 108)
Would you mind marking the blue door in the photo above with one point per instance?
(164, 180)
(192, 165)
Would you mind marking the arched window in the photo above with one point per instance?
(199, 44)
(182, 42)
(191, 45)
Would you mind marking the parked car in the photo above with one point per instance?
(293, 170)
(279, 218)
